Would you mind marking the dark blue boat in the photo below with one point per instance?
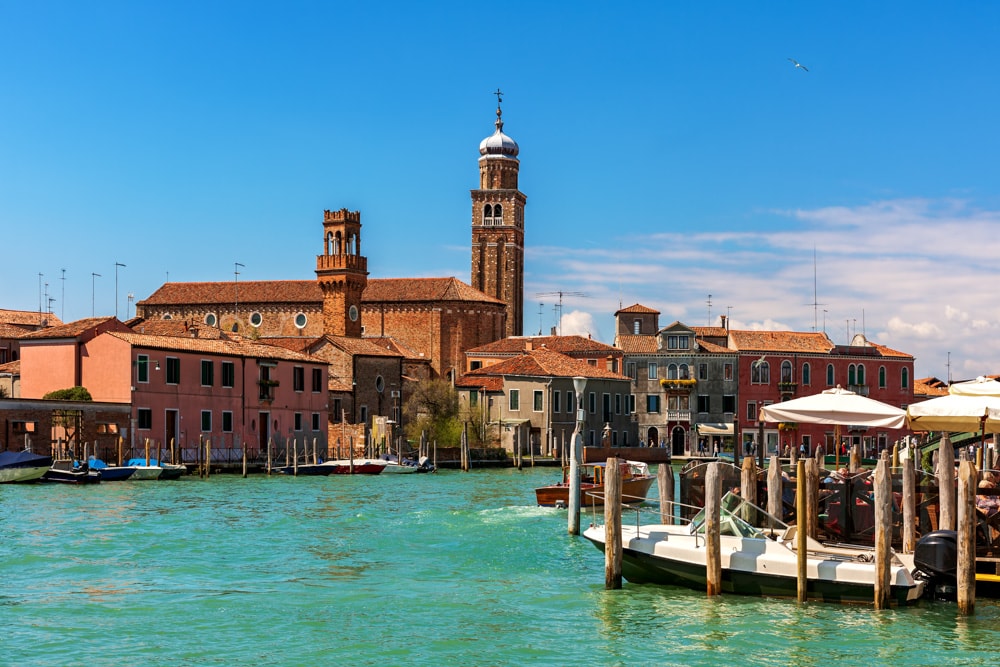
(110, 473)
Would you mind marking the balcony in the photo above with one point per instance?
(685, 383)
(859, 389)
(678, 415)
(788, 387)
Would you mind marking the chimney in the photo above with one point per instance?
(725, 322)
(528, 345)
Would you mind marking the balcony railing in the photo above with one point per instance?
(685, 383)
(678, 415)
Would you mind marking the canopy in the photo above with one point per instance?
(956, 413)
(979, 387)
(715, 429)
(836, 406)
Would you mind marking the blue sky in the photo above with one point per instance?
(669, 151)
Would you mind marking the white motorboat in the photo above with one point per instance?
(759, 557)
(23, 466)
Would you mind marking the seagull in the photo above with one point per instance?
(758, 363)
(798, 65)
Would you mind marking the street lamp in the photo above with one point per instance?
(579, 384)
(117, 264)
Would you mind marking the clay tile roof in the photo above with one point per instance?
(410, 290)
(250, 292)
(546, 363)
(493, 383)
(929, 387)
(156, 327)
(71, 330)
(889, 352)
(361, 347)
(780, 341)
(243, 348)
(711, 332)
(391, 343)
(11, 331)
(636, 344)
(712, 348)
(638, 308)
(12, 367)
(27, 318)
(300, 344)
(565, 344)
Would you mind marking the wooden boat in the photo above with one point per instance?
(759, 557)
(22, 466)
(166, 470)
(362, 466)
(636, 481)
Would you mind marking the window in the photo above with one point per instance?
(364, 414)
(211, 319)
(851, 374)
(678, 402)
(228, 374)
(207, 373)
(760, 372)
(537, 401)
(298, 421)
(315, 421)
(144, 418)
(729, 403)
(298, 378)
(704, 404)
(630, 409)
(677, 342)
(618, 404)
(861, 374)
(637, 327)
(672, 372)
(683, 372)
(338, 411)
(473, 398)
(24, 426)
(173, 370)
(317, 380)
(806, 374)
(727, 372)
(881, 377)
(570, 402)
(555, 401)
(266, 384)
(592, 402)
(652, 371)
(515, 400)
(227, 421)
(614, 438)
(300, 321)
(904, 378)
(652, 403)
(829, 375)
(702, 371)
(752, 411)
(475, 365)
(606, 408)
(206, 421)
(142, 368)
(786, 371)
(256, 319)
(630, 370)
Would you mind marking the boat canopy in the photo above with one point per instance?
(23, 459)
(715, 429)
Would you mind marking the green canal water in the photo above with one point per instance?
(446, 569)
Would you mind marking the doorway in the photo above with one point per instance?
(677, 441)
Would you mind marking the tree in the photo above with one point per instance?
(71, 394)
(433, 407)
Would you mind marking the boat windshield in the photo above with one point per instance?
(740, 518)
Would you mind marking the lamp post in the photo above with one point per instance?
(579, 384)
(117, 264)
(93, 288)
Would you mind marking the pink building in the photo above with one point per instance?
(185, 389)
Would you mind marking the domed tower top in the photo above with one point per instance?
(498, 143)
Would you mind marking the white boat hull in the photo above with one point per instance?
(146, 473)
(12, 475)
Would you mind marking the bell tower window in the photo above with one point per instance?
(488, 214)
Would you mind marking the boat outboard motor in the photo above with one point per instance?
(936, 562)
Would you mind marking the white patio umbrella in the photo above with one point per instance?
(836, 406)
(969, 407)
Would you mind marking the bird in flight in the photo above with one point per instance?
(759, 362)
(798, 65)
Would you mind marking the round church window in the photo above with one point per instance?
(300, 320)
(256, 319)
(211, 320)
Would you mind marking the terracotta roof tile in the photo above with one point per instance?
(362, 347)
(12, 367)
(780, 341)
(27, 318)
(712, 348)
(240, 348)
(300, 344)
(71, 330)
(391, 343)
(889, 352)
(410, 290)
(491, 383)
(636, 344)
(546, 363)
(566, 344)
(12, 331)
(155, 327)
(638, 308)
(929, 387)
(711, 332)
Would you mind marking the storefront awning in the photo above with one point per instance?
(715, 429)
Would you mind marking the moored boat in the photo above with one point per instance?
(22, 466)
(167, 470)
(759, 557)
(394, 465)
(69, 471)
(110, 473)
(636, 482)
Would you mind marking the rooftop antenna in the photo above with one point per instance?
(540, 306)
(93, 284)
(824, 320)
(729, 315)
(948, 366)
(117, 264)
(558, 308)
(815, 302)
(62, 315)
(39, 298)
(864, 329)
(709, 302)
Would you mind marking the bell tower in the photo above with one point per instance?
(342, 273)
(498, 225)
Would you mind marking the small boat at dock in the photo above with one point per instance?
(70, 471)
(636, 482)
(23, 466)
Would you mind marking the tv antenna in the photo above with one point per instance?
(815, 302)
(558, 307)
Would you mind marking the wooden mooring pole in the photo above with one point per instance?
(801, 531)
(811, 522)
(748, 480)
(613, 525)
(713, 541)
(208, 457)
(665, 486)
(966, 571)
(946, 484)
(774, 484)
(909, 505)
(882, 488)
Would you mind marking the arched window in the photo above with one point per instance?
(806, 374)
(684, 374)
(786, 371)
(329, 242)
(760, 372)
(861, 373)
(851, 375)
(904, 378)
(487, 214)
(829, 375)
(672, 372)
(336, 244)
(881, 377)
(498, 214)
